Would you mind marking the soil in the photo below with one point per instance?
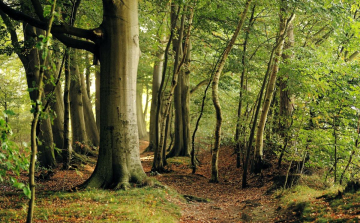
(225, 201)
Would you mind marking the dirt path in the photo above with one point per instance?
(225, 201)
(222, 202)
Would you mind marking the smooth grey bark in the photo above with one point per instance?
(181, 97)
(87, 74)
(140, 115)
(119, 157)
(57, 106)
(89, 118)
(157, 76)
(78, 128)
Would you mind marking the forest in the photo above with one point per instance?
(179, 111)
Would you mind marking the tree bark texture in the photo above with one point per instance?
(119, 157)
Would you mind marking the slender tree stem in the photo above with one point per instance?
(36, 119)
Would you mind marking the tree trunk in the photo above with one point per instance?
(57, 105)
(239, 125)
(66, 152)
(157, 76)
(178, 147)
(185, 101)
(119, 157)
(79, 135)
(97, 98)
(89, 118)
(31, 63)
(87, 75)
(215, 97)
(34, 123)
(257, 165)
(159, 158)
(285, 108)
(140, 115)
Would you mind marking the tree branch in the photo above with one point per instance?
(57, 30)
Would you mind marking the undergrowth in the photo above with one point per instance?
(136, 205)
(313, 201)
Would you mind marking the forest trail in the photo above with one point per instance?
(225, 201)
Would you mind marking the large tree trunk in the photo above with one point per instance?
(79, 135)
(119, 157)
(257, 166)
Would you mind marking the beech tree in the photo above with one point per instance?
(116, 45)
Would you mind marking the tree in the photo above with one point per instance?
(283, 26)
(116, 45)
(182, 91)
(215, 96)
(32, 62)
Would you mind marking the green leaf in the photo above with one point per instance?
(19, 185)
(9, 112)
(27, 191)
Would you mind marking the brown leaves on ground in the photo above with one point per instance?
(227, 201)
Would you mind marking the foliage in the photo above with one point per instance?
(12, 158)
(310, 205)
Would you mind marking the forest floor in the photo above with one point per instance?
(225, 201)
